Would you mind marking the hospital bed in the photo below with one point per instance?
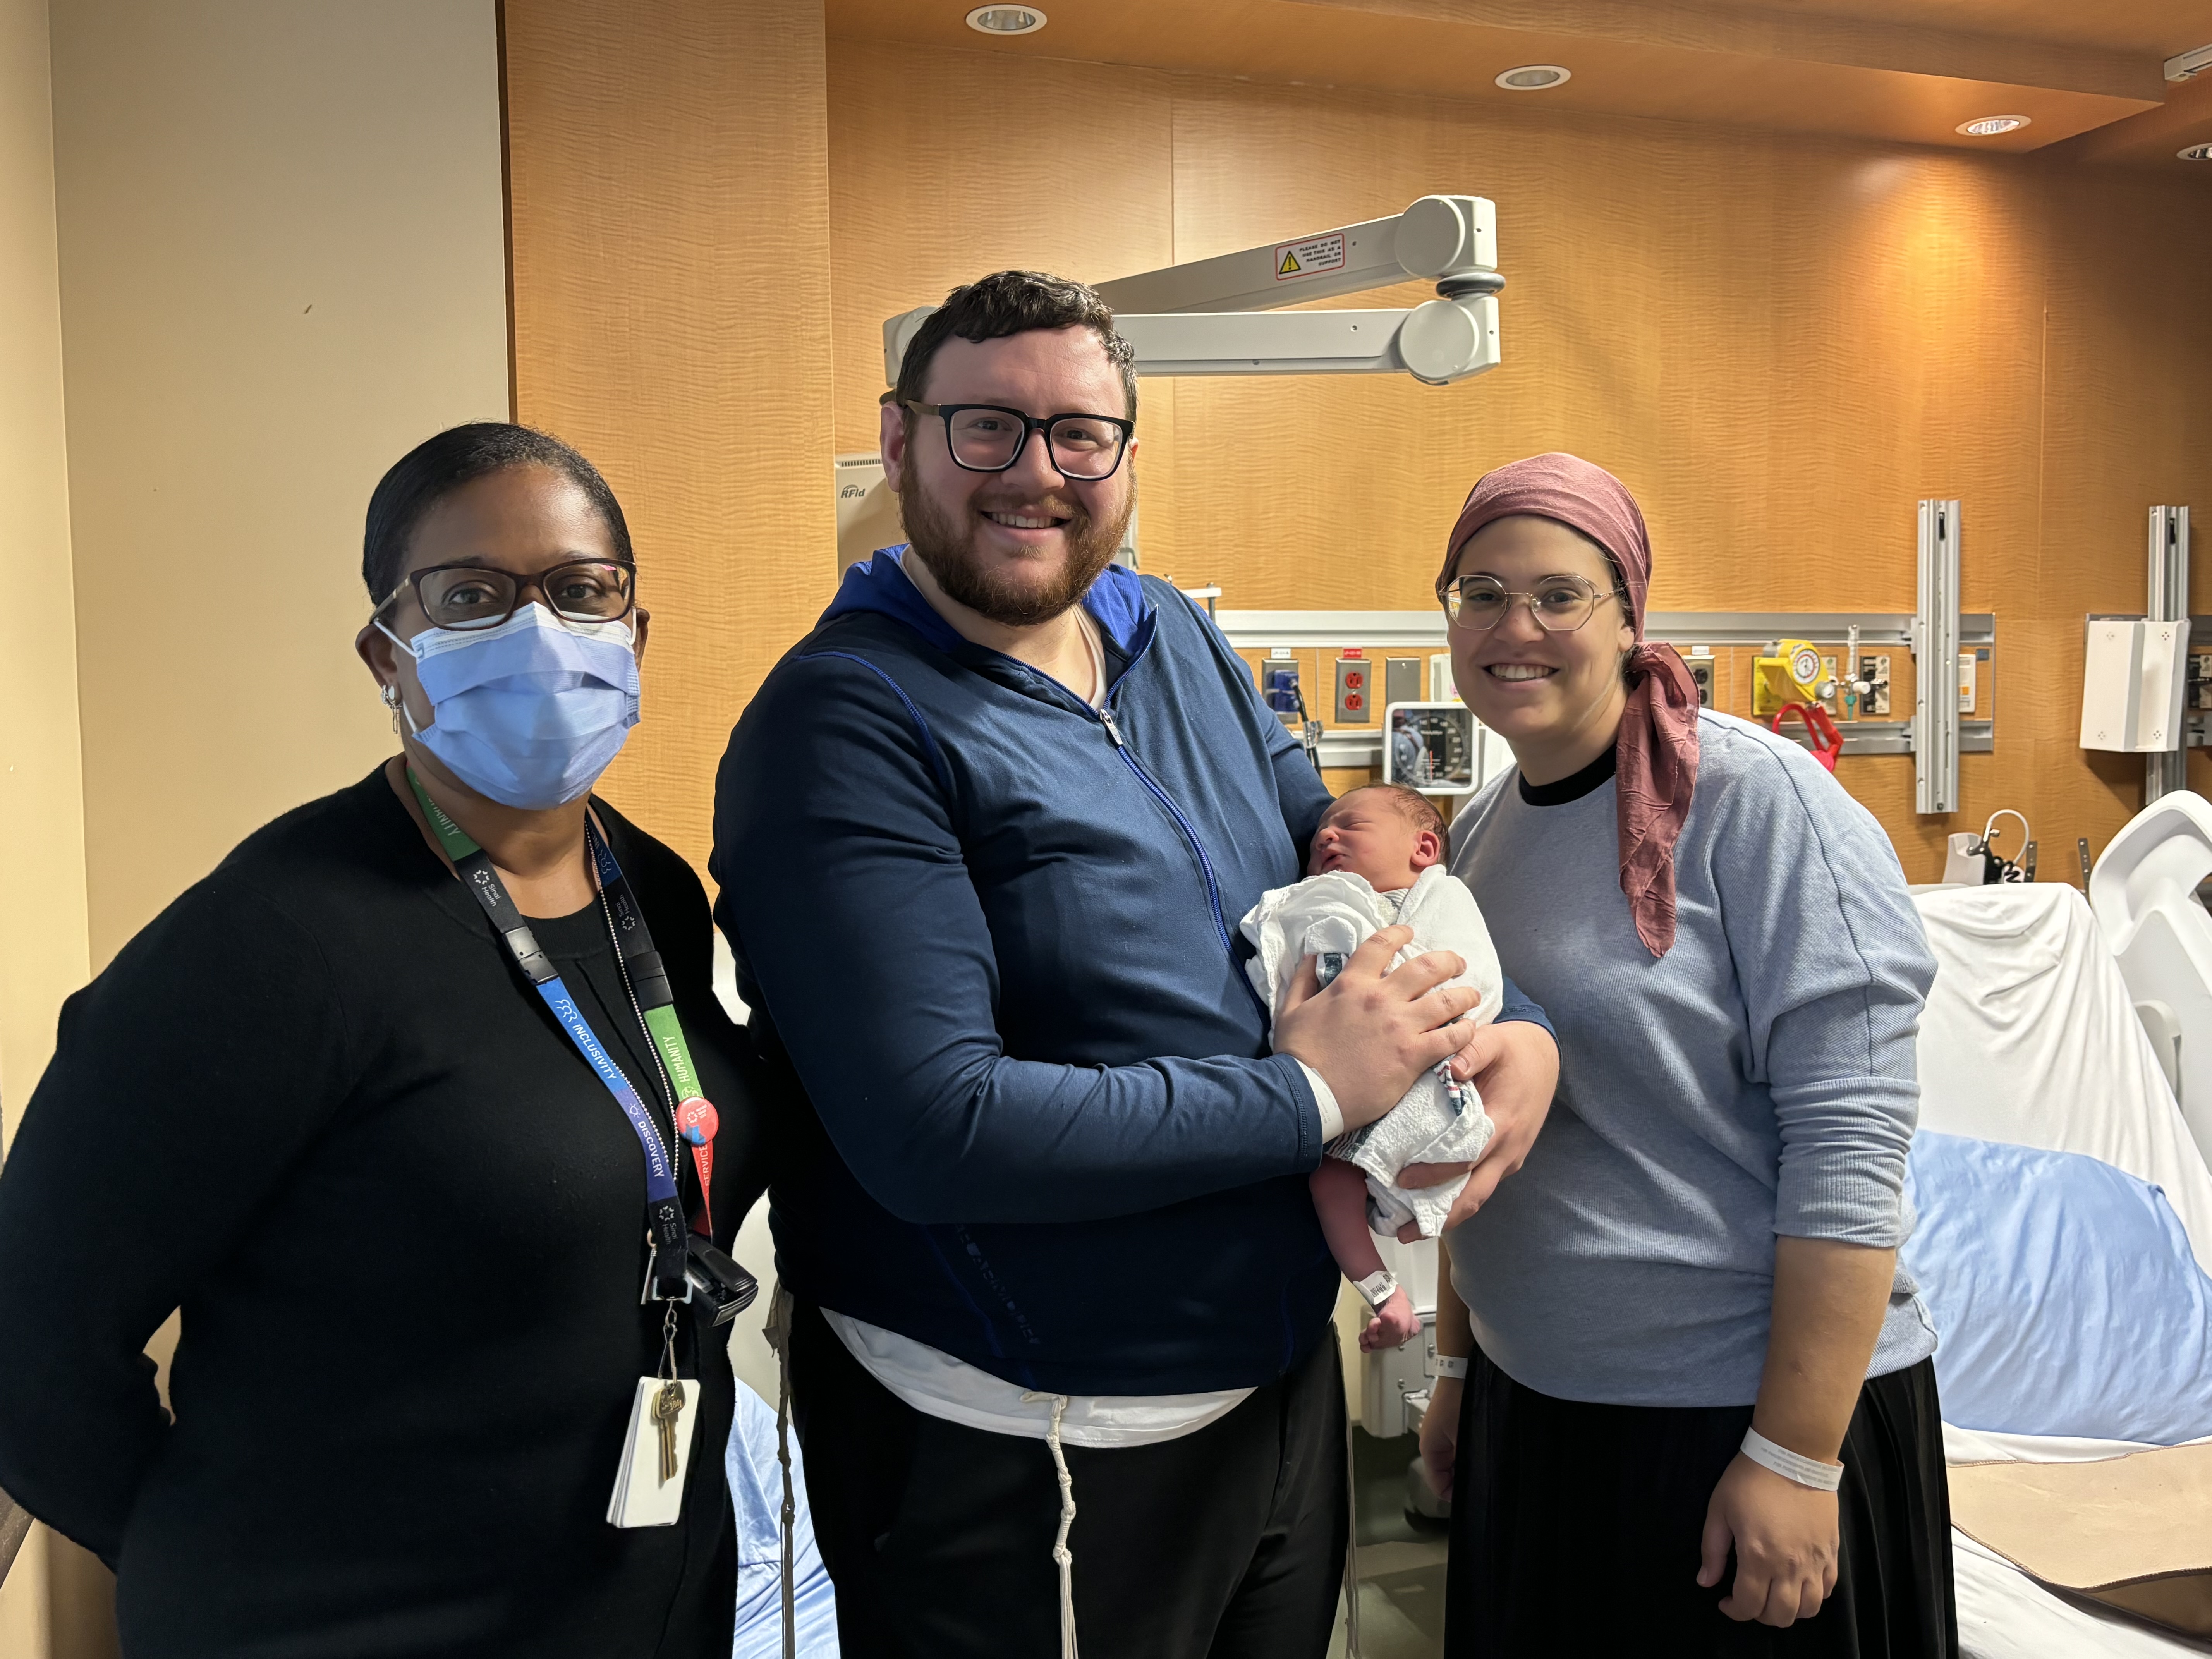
(2071, 1300)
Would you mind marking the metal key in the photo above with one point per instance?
(667, 1407)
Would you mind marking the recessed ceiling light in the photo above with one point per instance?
(1989, 126)
(1006, 20)
(2195, 153)
(1535, 77)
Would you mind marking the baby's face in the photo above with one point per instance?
(1366, 834)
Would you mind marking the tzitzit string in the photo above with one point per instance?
(1061, 1555)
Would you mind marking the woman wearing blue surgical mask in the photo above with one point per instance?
(422, 1109)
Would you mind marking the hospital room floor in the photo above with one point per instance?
(1401, 1559)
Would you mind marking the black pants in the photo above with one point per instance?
(1225, 1544)
(1576, 1529)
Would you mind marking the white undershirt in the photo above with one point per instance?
(937, 1385)
(1095, 641)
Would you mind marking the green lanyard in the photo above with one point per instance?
(646, 981)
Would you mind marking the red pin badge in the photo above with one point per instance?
(696, 1121)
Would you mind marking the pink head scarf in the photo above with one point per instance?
(1657, 749)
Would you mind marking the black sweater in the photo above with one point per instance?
(314, 1105)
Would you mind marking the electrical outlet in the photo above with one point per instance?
(1355, 691)
(1283, 692)
(1702, 672)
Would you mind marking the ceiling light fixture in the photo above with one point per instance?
(1535, 77)
(1006, 20)
(1988, 126)
(2195, 153)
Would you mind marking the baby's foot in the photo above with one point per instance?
(1394, 1321)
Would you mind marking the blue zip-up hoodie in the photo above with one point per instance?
(993, 931)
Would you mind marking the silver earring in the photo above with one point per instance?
(390, 695)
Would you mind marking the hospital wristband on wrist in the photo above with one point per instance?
(1790, 1465)
(1449, 1364)
(1377, 1288)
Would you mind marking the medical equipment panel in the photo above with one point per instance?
(1722, 648)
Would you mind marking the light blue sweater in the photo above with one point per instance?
(1758, 1079)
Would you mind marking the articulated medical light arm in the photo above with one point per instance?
(1219, 316)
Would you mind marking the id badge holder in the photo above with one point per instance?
(656, 1453)
(655, 1459)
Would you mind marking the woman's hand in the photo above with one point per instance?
(1516, 1068)
(1375, 1029)
(1440, 1434)
(1785, 1537)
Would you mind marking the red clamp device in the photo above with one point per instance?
(1827, 742)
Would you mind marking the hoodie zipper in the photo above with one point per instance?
(1189, 834)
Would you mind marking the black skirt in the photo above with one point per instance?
(1576, 1529)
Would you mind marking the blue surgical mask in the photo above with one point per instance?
(529, 713)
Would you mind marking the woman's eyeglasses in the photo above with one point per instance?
(463, 597)
(1560, 604)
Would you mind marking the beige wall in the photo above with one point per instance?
(282, 264)
(42, 943)
(57, 1600)
(261, 244)
(42, 948)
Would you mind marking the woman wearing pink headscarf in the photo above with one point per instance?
(1699, 1411)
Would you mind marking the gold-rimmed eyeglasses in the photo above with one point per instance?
(1560, 604)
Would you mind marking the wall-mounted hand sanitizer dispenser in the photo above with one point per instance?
(2134, 674)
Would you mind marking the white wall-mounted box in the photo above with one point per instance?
(2133, 676)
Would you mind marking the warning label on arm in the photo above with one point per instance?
(1308, 257)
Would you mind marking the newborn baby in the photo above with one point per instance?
(1378, 858)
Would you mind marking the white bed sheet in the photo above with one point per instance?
(2005, 1614)
(2030, 1036)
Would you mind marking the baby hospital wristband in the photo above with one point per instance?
(1790, 1465)
(1449, 1364)
(1377, 1288)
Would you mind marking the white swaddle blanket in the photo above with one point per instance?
(1332, 914)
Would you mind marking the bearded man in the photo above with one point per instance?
(984, 839)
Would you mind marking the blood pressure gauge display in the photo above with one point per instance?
(1432, 746)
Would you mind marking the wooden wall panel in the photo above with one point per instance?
(669, 191)
(1782, 343)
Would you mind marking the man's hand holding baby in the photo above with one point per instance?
(1376, 1030)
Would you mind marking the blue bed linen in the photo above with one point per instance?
(2065, 1296)
(756, 1496)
